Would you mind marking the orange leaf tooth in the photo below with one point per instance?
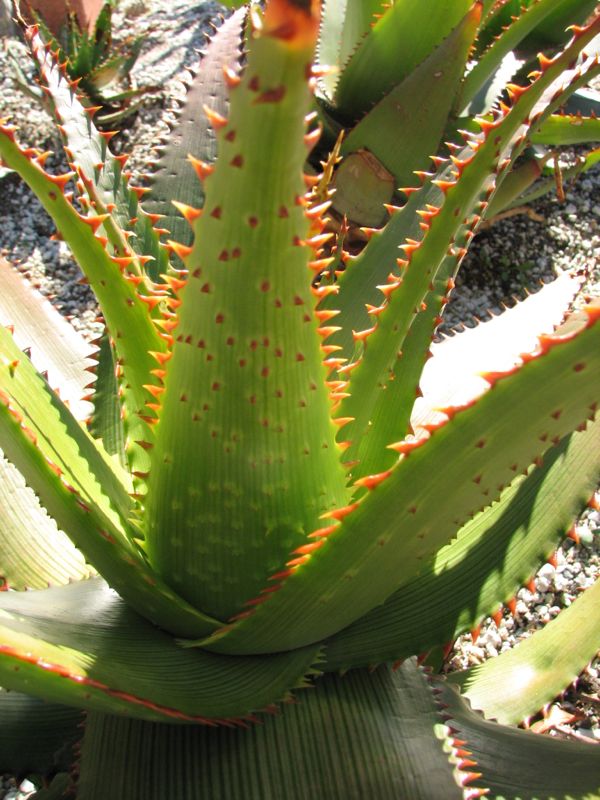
(162, 358)
(360, 336)
(474, 793)
(323, 291)
(497, 617)
(216, 120)
(155, 391)
(371, 481)
(465, 778)
(285, 573)
(295, 562)
(406, 446)
(340, 513)
(202, 168)
(448, 647)
(306, 549)
(512, 605)
(475, 633)
(188, 212)
(572, 534)
(232, 79)
(341, 421)
(175, 283)
(553, 560)
(322, 533)
(320, 264)
(180, 250)
(326, 314)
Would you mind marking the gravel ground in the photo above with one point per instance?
(519, 252)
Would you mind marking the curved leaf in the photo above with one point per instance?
(81, 645)
(362, 736)
(33, 552)
(519, 682)
(493, 555)
(54, 346)
(513, 764)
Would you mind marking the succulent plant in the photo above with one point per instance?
(256, 501)
(102, 70)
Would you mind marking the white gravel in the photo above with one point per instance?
(514, 254)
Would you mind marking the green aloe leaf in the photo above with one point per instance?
(393, 531)
(100, 174)
(60, 437)
(53, 344)
(506, 42)
(404, 128)
(80, 486)
(546, 185)
(33, 552)
(246, 384)
(404, 36)
(365, 735)
(35, 736)
(191, 135)
(512, 764)
(518, 683)
(105, 422)
(343, 24)
(465, 583)
(562, 129)
(82, 645)
(518, 181)
(125, 310)
(372, 388)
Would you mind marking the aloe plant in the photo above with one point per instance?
(102, 69)
(247, 509)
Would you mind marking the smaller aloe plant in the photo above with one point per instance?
(101, 69)
(275, 480)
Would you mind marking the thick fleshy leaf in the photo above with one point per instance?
(393, 531)
(191, 133)
(33, 552)
(493, 555)
(54, 346)
(518, 683)
(81, 645)
(73, 476)
(548, 184)
(401, 39)
(343, 25)
(105, 422)
(513, 764)
(506, 42)
(35, 736)
(362, 736)
(372, 389)
(562, 129)
(404, 128)
(246, 384)
(60, 437)
(125, 310)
